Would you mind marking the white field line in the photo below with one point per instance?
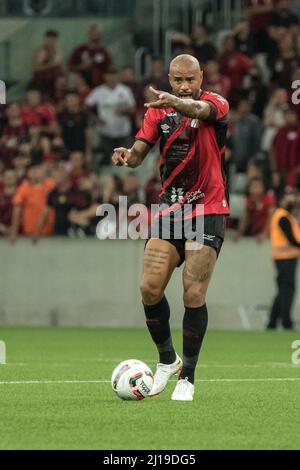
(82, 382)
(151, 362)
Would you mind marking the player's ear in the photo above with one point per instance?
(170, 80)
(201, 77)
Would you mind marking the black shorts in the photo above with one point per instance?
(214, 234)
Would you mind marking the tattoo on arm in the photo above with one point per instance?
(193, 109)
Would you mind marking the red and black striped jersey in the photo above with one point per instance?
(192, 154)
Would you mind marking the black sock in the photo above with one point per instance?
(194, 328)
(157, 319)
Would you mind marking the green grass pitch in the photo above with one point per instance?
(55, 393)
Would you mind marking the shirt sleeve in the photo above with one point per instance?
(92, 99)
(149, 130)
(21, 194)
(130, 101)
(286, 227)
(49, 184)
(219, 107)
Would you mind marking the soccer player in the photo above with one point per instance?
(191, 125)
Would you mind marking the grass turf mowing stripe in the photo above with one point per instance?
(71, 382)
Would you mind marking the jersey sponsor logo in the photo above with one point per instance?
(177, 194)
(194, 195)
(165, 128)
(209, 238)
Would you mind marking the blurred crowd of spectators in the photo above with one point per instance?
(56, 145)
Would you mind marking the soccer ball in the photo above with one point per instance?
(132, 380)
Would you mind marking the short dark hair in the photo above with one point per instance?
(51, 33)
(111, 70)
(255, 161)
(72, 91)
(33, 88)
(33, 164)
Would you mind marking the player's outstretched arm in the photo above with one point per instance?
(187, 107)
(131, 157)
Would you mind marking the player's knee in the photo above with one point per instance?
(151, 292)
(194, 295)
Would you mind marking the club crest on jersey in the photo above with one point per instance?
(177, 194)
(165, 128)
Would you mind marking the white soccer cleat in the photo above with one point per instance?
(184, 391)
(162, 375)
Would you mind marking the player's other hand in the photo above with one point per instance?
(165, 100)
(121, 156)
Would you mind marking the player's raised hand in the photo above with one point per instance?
(121, 156)
(165, 100)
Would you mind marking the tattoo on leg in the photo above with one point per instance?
(154, 260)
(199, 268)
